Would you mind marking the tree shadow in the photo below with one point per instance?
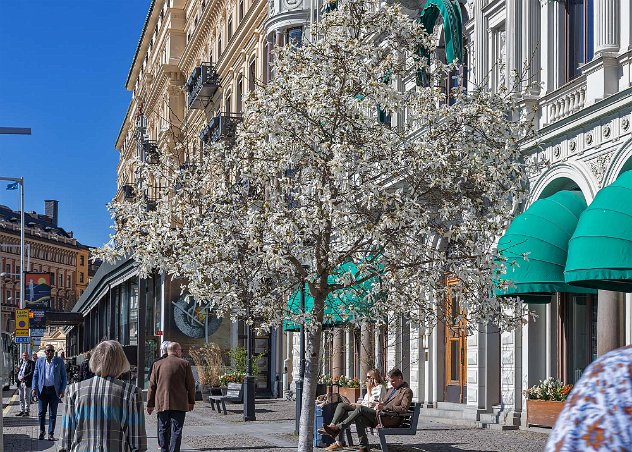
(19, 421)
(22, 442)
(429, 447)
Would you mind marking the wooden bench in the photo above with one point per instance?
(235, 393)
(407, 427)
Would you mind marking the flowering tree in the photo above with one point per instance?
(318, 191)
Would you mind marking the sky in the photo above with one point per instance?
(63, 67)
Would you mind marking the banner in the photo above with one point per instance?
(37, 286)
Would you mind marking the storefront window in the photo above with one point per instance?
(133, 312)
(124, 314)
(580, 334)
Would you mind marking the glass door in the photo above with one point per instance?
(455, 350)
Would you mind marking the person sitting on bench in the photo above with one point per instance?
(385, 413)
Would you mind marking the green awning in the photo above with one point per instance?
(541, 233)
(452, 25)
(341, 306)
(600, 251)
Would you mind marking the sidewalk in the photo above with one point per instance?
(206, 430)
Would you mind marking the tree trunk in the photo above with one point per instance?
(312, 352)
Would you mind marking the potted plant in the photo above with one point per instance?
(545, 401)
(237, 371)
(210, 364)
(324, 382)
(349, 388)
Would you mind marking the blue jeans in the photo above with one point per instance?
(48, 398)
(170, 423)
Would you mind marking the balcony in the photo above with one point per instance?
(201, 86)
(563, 102)
(127, 191)
(149, 151)
(221, 127)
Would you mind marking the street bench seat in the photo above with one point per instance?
(407, 427)
(234, 393)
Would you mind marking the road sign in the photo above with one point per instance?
(22, 339)
(22, 319)
(36, 341)
(21, 333)
(37, 332)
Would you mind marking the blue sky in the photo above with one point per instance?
(63, 66)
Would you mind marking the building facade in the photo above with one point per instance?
(48, 249)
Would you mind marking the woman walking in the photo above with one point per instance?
(104, 414)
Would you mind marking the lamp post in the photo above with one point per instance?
(2, 275)
(301, 370)
(249, 379)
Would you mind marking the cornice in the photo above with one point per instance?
(142, 42)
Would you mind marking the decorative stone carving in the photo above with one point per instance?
(589, 139)
(598, 166)
(572, 145)
(557, 151)
(606, 131)
(292, 4)
(625, 124)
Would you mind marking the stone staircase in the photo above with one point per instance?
(460, 414)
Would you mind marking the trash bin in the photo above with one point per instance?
(323, 416)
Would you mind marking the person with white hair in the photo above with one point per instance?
(89, 423)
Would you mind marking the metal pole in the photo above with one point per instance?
(301, 372)
(249, 379)
(22, 243)
(2, 275)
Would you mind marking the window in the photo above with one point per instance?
(227, 103)
(230, 28)
(80, 277)
(219, 47)
(7, 268)
(241, 10)
(579, 35)
(499, 61)
(238, 94)
(252, 75)
(82, 260)
(68, 280)
(17, 298)
(60, 280)
(8, 296)
(295, 36)
(52, 278)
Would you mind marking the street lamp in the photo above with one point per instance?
(2, 275)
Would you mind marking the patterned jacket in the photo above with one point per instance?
(598, 413)
(104, 415)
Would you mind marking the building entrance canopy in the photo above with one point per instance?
(342, 305)
(535, 248)
(600, 251)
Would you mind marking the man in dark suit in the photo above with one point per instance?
(25, 382)
(49, 384)
(398, 399)
(171, 393)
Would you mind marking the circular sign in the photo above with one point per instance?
(193, 319)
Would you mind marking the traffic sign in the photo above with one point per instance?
(36, 341)
(37, 332)
(22, 339)
(21, 333)
(22, 319)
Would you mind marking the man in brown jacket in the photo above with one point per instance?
(397, 401)
(171, 393)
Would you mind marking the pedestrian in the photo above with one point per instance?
(597, 414)
(171, 394)
(375, 393)
(25, 383)
(386, 413)
(89, 424)
(49, 384)
(163, 355)
(84, 369)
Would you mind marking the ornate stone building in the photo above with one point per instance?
(49, 249)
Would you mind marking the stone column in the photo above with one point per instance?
(607, 322)
(350, 355)
(607, 19)
(514, 41)
(553, 44)
(628, 319)
(338, 355)
(531, 48)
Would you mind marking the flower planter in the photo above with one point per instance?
(352, 394)
(543, 413)
(321, 389)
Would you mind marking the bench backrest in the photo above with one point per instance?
(411, 420)
(234, 390)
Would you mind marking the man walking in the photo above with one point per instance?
(25, 382)
(171, 393)
(49, 384)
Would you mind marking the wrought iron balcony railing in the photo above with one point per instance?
(221, 127)
(202, 84)
(148, 151)
(128, 191)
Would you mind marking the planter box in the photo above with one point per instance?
(353, 394)
(543, 413)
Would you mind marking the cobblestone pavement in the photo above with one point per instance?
(207, 430)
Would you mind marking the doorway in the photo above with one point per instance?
(455, 349)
